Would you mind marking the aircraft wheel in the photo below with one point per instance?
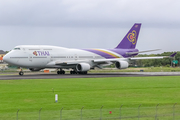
(21, 73)
(61, 72)
(83, 73)
(73, 72)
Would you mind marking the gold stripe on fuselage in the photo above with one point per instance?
(109, 53)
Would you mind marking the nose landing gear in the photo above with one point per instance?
(21, 73)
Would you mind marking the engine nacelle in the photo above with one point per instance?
(35, 69)
(121, 64)
(82, 67)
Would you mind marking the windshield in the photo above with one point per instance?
(16, 48)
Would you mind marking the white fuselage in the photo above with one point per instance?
(42, 56)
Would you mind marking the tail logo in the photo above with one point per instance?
(132, 37)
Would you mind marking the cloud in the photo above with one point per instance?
(89, 23)
(87, 13)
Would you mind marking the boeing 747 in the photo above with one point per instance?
(37, 57)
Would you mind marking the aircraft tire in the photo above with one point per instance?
(61, 72)
(73, 72)
(82, 73)
(21, 73)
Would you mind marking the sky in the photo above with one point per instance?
(89, 23)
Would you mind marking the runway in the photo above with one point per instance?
(89, 75)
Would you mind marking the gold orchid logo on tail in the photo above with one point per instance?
(132, 37)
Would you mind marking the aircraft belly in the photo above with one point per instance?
(33, 63)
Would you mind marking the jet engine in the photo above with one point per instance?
(35, 69)
(82, 67)
(121, 64)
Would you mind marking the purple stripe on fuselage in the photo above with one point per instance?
(105, 55)
(121, 52)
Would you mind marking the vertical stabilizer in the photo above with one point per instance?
(130, 40)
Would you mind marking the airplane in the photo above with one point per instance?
(37, 57)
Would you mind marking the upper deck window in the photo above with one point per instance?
(17, 49)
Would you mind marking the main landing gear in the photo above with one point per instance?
(83, 73)
(21, 73)
(60, 71)
(74, 72)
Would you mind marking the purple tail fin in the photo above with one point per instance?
(130, 40)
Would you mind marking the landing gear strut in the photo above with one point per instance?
(61, 71)
(21, 73)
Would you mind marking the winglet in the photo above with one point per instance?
(173, 54)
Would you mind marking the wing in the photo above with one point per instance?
(121, 62)
(133, 58)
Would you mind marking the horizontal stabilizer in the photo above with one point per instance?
(173, 54)
(132, 53)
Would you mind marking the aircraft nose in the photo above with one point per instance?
(6, 58)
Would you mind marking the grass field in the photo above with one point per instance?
(31, 95)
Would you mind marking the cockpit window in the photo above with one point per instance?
(17, 49)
